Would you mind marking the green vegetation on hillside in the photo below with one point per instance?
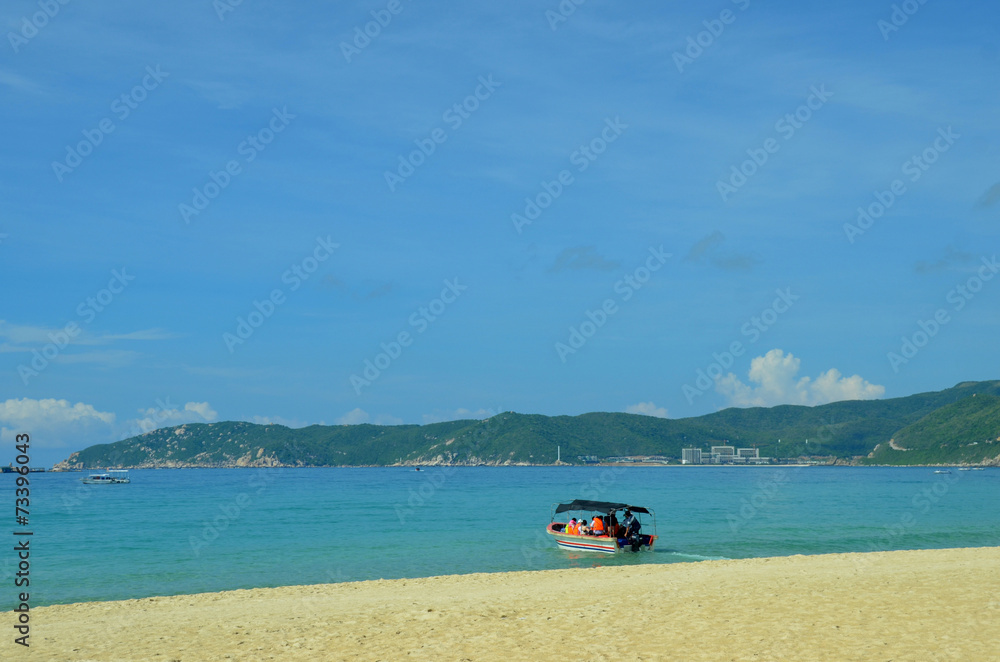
(967, 432)
(957, 425)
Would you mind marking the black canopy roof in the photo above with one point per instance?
(598, 506)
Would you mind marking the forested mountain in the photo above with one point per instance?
(957, 425)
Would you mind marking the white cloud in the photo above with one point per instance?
(354, 417)
(774, 381)
(166, 414)
(21, 335)
(51, 423)
(647, 409)
(202, 409)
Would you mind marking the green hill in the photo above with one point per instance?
(956, 425)
(967, 432)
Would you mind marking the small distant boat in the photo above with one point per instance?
(941, 471)
(10, 469)
(418, 469)
(617, 538)
(965, 469)
(978, 469)
(112, 477)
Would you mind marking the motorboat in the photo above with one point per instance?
(112, 477)
(623, 529)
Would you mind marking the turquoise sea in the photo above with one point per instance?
(197, 530)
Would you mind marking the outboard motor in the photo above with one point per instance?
(632, 534)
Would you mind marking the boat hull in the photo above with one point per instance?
(600, 544)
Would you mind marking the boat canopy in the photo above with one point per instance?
(598, 506)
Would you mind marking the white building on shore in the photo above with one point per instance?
(723, 455)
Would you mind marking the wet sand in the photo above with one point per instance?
(920, 605)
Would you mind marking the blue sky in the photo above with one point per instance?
(646, 260)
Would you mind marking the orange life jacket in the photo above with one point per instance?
(571, 528)
(598, 525)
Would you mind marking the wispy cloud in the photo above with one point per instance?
(356, 416)
(991, 196)
(581, 258)
(707, 250)
(647, 409)
(703, 245)
(26, 334)
(952, 258)
(165, 414)
(107, 358)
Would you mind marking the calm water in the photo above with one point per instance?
(197, 530)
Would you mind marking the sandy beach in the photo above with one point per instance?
(914, 605)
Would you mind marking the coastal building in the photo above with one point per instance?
(723, 454)
(691, 456)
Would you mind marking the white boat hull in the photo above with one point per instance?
(600, 544)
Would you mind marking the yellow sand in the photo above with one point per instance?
(922, 605)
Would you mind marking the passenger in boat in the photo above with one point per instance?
(571, 527)
(631, 525)
(583, 529)
(597, 526)
(612, 526)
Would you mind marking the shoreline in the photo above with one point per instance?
(775, 465)
(879, 605)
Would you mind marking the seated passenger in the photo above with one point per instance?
(571, 527)
(597, 526)
(583, 529)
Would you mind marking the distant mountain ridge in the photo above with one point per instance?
(956, 425)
